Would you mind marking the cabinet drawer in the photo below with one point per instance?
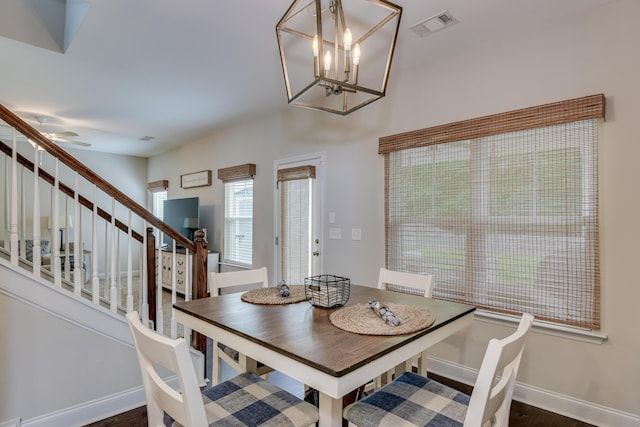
(168, 270)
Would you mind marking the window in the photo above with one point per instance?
(238, 213)
(159, 193)
(504, 214)
(158, 202)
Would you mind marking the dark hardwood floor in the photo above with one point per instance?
(521, 415)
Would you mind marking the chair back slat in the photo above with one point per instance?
(401, 281)
(257, 276)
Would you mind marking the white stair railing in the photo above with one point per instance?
(86, 252)
(37, 246)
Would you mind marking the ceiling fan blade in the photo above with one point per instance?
(61, 134)
(70, 141)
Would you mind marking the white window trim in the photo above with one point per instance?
(547, 328)
(229, 262)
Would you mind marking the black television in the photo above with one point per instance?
(183, 215)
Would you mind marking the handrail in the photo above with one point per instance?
(27, 130)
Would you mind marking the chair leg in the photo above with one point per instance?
(251, 365)
(401, 368)
(216, 369)
(155, 414)
(384, 379)
(422, 364)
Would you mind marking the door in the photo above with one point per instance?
(298, 246)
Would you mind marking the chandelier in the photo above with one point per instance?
(336, 54)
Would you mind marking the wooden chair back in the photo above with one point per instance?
(491, 399)
(221, 352)
(185, 405)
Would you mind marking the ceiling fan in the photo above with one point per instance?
(62, 137)
(57, 137)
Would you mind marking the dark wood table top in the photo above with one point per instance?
(305, 333)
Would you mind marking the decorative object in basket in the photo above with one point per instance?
(327, 290)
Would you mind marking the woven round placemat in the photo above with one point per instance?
(271, 296)
(361, 319)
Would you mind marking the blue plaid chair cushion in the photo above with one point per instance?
(249, 401)
(410, 400)
(234, 354)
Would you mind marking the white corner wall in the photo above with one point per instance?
(63, 362)
(594, 53)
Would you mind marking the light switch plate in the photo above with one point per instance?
(332, 217)
(335, 233)
(356, 234)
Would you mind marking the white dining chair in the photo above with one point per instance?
(245, 400)
(221, 352)
(412, 399)
(409, 283)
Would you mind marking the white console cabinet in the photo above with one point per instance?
(181, 272)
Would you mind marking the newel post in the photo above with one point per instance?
(199, 282)
(151, 274)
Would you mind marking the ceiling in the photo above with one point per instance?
(117, 71)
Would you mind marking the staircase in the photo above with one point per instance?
(76, 254)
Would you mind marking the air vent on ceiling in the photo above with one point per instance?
(435, 23)
(147, 138)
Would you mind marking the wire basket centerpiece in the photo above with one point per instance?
(327, 291)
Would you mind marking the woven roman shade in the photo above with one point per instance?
(502, 210)
(298, 172)
(237, 173)
(156, 186)
(585, 108)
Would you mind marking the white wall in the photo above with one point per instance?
(594, 53)
(55, 361)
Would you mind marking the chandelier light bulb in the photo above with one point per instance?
(347, 39)
(327, 62)
(356, 54)
(314, 45)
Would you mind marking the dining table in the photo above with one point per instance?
(300, 340)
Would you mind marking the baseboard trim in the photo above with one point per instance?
(95, 410)
(568, 406)
(92, 411)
